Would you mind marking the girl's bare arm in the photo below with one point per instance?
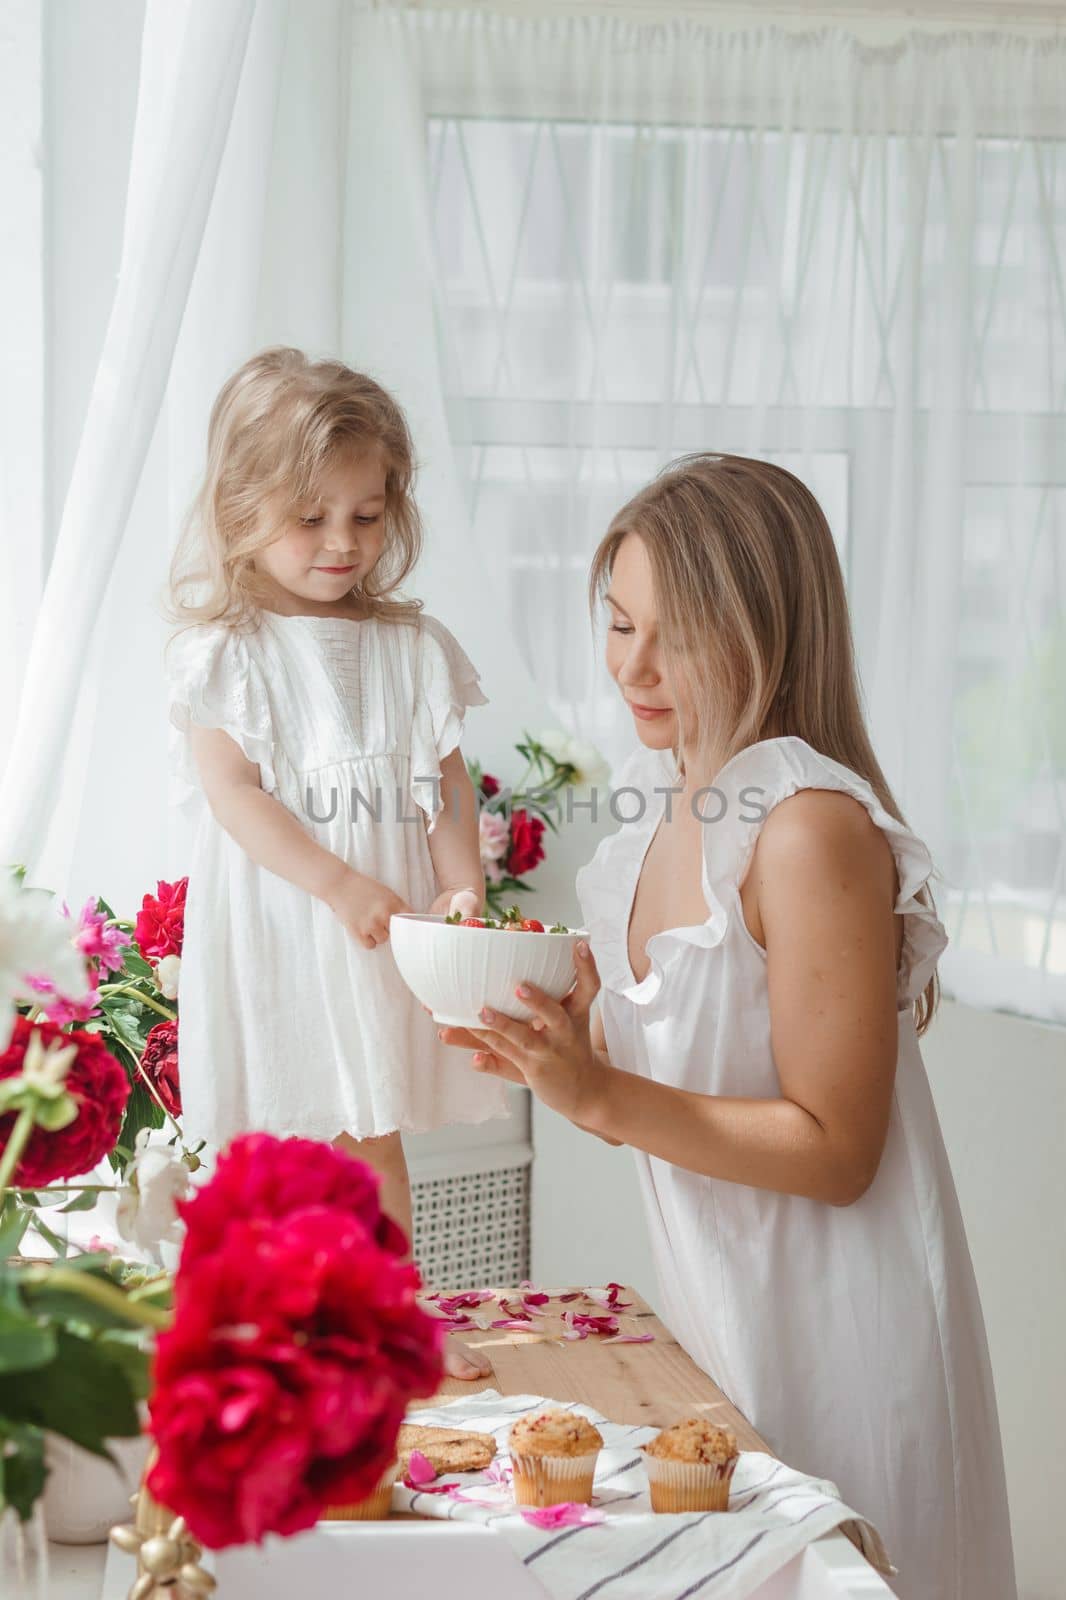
(454, 844)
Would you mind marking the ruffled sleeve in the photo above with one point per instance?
(447, 684)
(763, 775)
(214, 681)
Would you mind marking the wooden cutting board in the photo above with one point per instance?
(654, 1383)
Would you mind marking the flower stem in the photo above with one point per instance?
(67, 1188)
(107, 1295)
(16, 1144)
(153, 1005)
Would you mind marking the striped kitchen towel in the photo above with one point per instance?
(633, 1553)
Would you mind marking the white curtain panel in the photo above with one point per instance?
(848, 259)
(575, 247)
(274, 193)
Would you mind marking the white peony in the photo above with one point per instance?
(35, 941)
(145, 1214)
(590, 768)
(166, 975)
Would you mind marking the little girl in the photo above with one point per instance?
(316, 718)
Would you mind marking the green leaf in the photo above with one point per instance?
(132, 1354)
(22, 1467)
(97, 1262)
(81, 1202)
(14, 1220)
(126, 1023)
(64, 1305)
(141, 1112)
(24, 1342)
(51, 1238)
(81, 1394)
(137, 966)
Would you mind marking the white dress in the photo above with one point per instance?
(286, 1024)
(850, 1336)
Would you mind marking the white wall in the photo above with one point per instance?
(1000, 1088)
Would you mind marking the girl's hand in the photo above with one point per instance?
(553, 1054)
(365, 906)
(466, 901)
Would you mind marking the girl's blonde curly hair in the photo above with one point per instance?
(276, 425)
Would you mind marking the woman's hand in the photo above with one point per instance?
(553, 1053)
(365, 906)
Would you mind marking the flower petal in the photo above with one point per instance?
(420, 1469)
(568, 1514)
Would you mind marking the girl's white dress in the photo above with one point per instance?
(286, 1024)
(850, 1336)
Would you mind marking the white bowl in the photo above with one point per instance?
(455, 971)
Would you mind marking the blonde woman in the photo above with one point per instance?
(316, 718)
(767, 944)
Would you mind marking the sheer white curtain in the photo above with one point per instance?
(575, 247)
(274, 193)
(656, 238)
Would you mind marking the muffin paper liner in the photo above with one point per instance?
(552, 1480)
(689, 1485)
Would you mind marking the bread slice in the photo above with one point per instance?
(449, 1449)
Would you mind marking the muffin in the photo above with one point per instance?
(375, 1508)
(553, 1456)
(690, 1466)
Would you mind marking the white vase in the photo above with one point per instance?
(85, 1495)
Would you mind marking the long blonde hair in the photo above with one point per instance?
(277, 423)
(747, 583)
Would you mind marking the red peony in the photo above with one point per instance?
(96, 1082)
(489, 785)
(526, 850)
(296, 1347)
(160, 1064)
(262, 1179)
(160, 925)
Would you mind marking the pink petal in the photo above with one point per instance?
(420, 1470)
(630, 1338)
(582, 1319)
(516, 1313)
(566, 1515)
(499, 1472)
(513, 1324)
(530, 1301)
(450, 1304)
(574, 1294)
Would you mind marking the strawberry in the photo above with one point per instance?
(531, 925)
(472, 922)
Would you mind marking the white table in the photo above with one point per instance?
(409, 1560)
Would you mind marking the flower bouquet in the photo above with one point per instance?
(513, 821)
(278, 1360)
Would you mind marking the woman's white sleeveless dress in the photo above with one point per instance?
(851, 1337)
(286, 1024)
